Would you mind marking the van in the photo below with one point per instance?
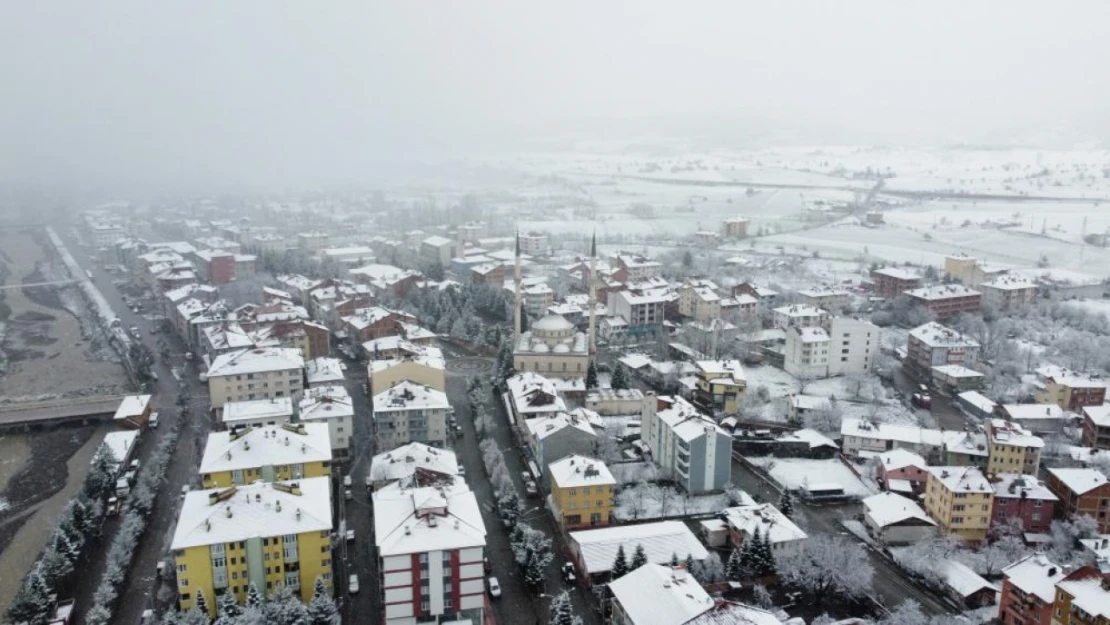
(123, 487)
(153, 420)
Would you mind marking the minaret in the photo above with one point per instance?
(593, 297)
(516, 294)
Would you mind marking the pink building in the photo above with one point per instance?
(1022, 497)
(902, 471)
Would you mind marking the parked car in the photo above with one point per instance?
(462, 470)
(922, 400)
(531, 490)
(147, 617)
(494, 587)
(113, 506)
(569, 573)
(352, 584)
(347, 481)
(153, 420)
(350, 536)
(185, 490)
(347, 494)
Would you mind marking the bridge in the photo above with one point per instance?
(41, 415)
(31, 284)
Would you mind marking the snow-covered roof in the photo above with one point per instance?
(888, 508)
(326, 402)
(769, 520)
(1018, 486)
(1035, 575)
(256, 361)
(934, 334)
(661, 540)
(423, 519)
(546, 425)
(814, 438)
(261, 509)
(1033, 412)
(1067, 377)
(942, 292)
(271, 445)
(408, 395)
(437, 241)
(635, 361)
(822, 292)
(132, 406)
(533, 393)
(575, 471)
(962, 479)
(278, 408)
(1003, 432)
(901, 458)
(811, 335)
(1079, 480)
(404, 461)
(721, 371)
(687, 422)
(121, 442)
(366, 317)
(728, 613)
(1088, 594)
(897, 274)
(978, 400)
(321, 370)
(912, 434)
(659, 595)
(961, 579)
(809, 402)
(1009, 283)
(800, 310)
(957, 371)
(1099, 414)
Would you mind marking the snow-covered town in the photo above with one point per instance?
(770, 374)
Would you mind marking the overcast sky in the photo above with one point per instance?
(267, 92)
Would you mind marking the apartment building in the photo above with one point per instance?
(1008, 293)
(698, 300)
(269, 453)
(1096, 427)
(860, 435)
(735, 227)
(215, 266)
(970, 271)
(799, 316)
(410, 412)
(946, 301)
(414, 465)
(259, 373)
(1082, 598)
(1029, 591)
(582, 491)
(853, 344)
(959, 499)
(266, 534)
(1082, 492)
(636, 267)
(688, 443)
(555, 436)
(931, 345)
(1070, 390)
(427, 369)
(437, 249)
(331, 406)
(1024, 498)
(312, 242)
(430, 545)
(720, 385)
(534, 244)
(643, 314)
(807, 352)
(891, 282)
(1012, 448)
(257, 412)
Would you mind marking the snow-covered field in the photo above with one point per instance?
(650, 501)
(803, 472)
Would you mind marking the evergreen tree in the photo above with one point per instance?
(101, 476)
(322, 609)
(591, 377)
(757, 559)
(254, 598)
(786, 504)
(620, 378)
(639, 557)
(690, 563)
(202, 604)
(284, 607)
(561, 611)
(767, 556)
(734, 569)
(228, 609)
(620, 564)
(194, 615)
(32, 603)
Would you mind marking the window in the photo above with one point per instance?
(182, 582)
(181, 568)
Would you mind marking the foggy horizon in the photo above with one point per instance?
(253, 95)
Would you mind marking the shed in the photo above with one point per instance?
(967, 587)
(133, 411)
(896, 520)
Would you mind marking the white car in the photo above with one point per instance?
(352, 584)
(350, 536)
(347, 481)
(494, 587)
(153, 423)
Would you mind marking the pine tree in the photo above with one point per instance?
(620, 564)
(734, 569)
(228, 609)
(591, 377)
(620, 378)
(101, 476)
(639, 557)
(689, 563)
(786, 504)
(322, 609)
(758, 561)
(561, 611)
(202, 603)
(284, 607)
(254, 598)
(32, 603)
(767, 556)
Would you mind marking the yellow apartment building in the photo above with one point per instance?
(269, 534)
(720, 385)
(1082, 598)
(959, 499)
(259, 373)
(582, 492)
(1012, 448)
(425, 370)
(269, 453)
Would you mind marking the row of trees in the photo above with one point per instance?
(458, 311)
(139, 506)
(753, 558)
(78, 528)
(282, 607)
(532, 551)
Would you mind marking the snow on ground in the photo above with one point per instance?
(650, 501)
(1097, 306)
(632, 472)
(778, 382)
(801, 472)
(4, 504)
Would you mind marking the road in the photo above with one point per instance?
(944, 410)
(892, 586)
(139, 591)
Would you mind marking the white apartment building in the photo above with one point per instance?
(698, 299)
(638, 267)
(830, 299)
(534, 244)
(690, 444)
(331, 405)
(807, 352)
(853, 344)
(258, 412)
(430, 543)
(643, 314)
(409, 412)
(799, 316)
(259, 373)
(1006, 293)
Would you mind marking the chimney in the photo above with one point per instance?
(298, 514)
(228, 511)
(277, 506)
